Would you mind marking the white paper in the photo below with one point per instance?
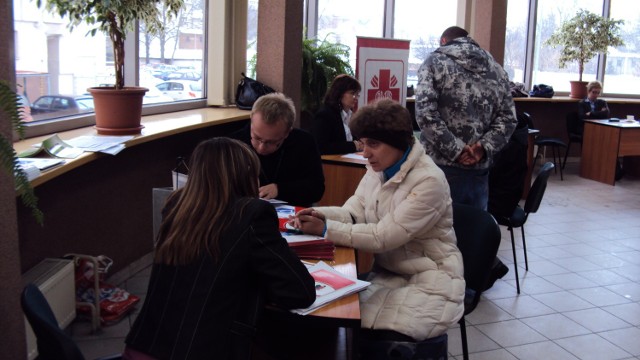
(355, 156)
(325, 294)
(107, 144)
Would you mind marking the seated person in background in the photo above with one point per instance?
(291, 168)
(402, 212)
(331, 122)
(591, 107)
(219, 255)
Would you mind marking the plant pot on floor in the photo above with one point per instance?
(578, 89)
(118, 112)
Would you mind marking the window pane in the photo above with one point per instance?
(252, 37)
(515, 44)
(623, 63)
(174, 56)
(422, 22)
(340, 21)
(54, 67)
(551, 14)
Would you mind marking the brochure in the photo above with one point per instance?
(40, 163)
(330, 285)
(55, 147)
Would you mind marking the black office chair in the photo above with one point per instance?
(53, 342)
(520, 215)
(544, 142)
(575, 127)
(478, 237)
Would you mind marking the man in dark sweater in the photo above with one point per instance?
(291, 165)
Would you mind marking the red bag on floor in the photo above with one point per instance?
(115, 302)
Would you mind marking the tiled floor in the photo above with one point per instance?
(580, 298)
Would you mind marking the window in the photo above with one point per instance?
(619, 73)
(340, 21)
(417, 21)
(421, 21)
(53, 61)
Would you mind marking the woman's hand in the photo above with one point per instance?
(309, 221)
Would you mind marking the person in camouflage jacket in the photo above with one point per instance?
(465, 112)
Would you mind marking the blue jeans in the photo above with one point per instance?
(468, 186)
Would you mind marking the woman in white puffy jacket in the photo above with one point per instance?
(401, 211)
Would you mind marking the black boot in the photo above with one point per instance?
(498, 271)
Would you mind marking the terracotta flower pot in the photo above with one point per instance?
(118, 112)
(578, 89)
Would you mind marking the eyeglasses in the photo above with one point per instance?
(355, 95)
(267, 143)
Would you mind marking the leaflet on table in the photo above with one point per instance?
(355, 156)
(40, 163)
(330, 285)
(54, 146)
(99, 143)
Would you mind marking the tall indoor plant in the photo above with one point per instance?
(10, 104)
(582, 37)
(115, 18)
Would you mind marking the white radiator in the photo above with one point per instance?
(55, 278)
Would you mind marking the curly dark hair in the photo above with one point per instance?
(384, 120)
(340, 85)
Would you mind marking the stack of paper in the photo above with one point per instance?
(330, 285)
(310, 246)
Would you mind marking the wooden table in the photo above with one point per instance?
(603, 142)
(342, 176)
(344, 311)
(330, 332)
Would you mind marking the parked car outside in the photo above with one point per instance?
(154, 96)
(181, 89)
(62, 104)
(25, 108)
(184, 75)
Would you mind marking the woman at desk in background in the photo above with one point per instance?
(219, 255)
(331, 122)
(402, 212)
(591, 107)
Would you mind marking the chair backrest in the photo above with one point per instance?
(478, 237)
(525, 117)
(534, 198)
(574, 124)
(53, 342)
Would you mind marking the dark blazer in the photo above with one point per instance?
(584, 106)
(296, 167)
(207, 309)
(329, 132)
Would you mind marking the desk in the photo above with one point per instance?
(342, 176)
(603, 142)
(344, 311)
(330, 332)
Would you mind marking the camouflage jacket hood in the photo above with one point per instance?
(463, 97)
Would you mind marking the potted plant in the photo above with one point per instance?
(583, 37)
(115, 18)
(322, 61)
(10, 104)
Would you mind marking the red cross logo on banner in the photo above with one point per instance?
(384, 87)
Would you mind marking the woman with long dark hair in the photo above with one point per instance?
(219, 257)
(331, 122)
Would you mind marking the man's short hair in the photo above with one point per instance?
(594, 85)
(275, 107)
(454, 32)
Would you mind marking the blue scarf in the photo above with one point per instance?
(393, 169)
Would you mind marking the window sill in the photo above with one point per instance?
(155, 127)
